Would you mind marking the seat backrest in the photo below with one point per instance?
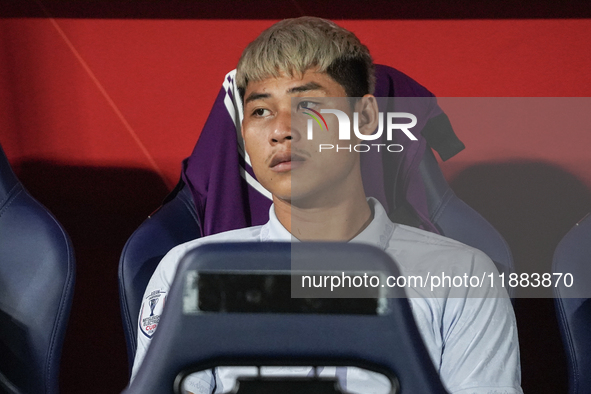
(457, 220)
(36, 289)
(197, 332)
(572, 260)
(218, 192)
(173, 224)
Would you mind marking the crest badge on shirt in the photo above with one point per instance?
(151, 311)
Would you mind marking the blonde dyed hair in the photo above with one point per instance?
(293, 46)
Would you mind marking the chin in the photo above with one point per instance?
(277, 185)
(284, 195)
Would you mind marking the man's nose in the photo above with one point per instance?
(282, 129)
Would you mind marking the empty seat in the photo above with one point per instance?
(572, 261)
(36, 289)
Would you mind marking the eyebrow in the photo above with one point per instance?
(256, 96)
(298, 89)
(305, 88)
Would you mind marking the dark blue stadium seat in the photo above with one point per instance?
(177, 222)
(573, 303)
(174, 223)
(457, 220)
(36, 289)
(192, 334)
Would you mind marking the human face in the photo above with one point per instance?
(284, 161)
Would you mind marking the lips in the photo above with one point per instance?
(286, 161)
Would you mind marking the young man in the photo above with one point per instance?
(305, 65)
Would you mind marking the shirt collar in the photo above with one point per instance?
(377, 233)
(274, 231)
(380, 229)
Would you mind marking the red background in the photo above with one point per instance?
(97, 115)
(136, 93)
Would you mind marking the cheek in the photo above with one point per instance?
(250, 139)
(255, 150)
(250, 148)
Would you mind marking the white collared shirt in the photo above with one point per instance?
(471, 340)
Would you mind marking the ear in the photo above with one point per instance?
(367, 107)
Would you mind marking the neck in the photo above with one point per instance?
(340, 217)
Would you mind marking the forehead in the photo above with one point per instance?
(310, 82)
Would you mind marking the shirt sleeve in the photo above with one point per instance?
(153, 302)
(479, 335)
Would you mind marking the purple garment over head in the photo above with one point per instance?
(216, 172)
